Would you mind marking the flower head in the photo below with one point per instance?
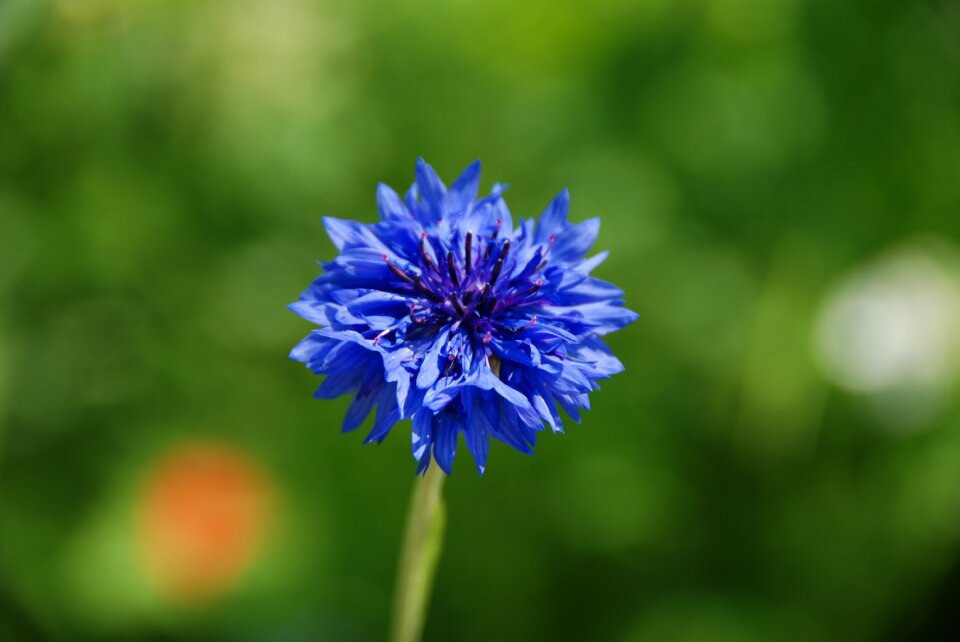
(446, 313)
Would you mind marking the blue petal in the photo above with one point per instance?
(430, 367)
(338, 230)
(442, 393)
(476, 430)
(374, 303)
(334, 356)
(395, 362)
(591, 318)
(546, 413)
(314, 311)
(387, 415)
(432, 191)
(359, 409)
(602, 361)
(590, 290)
(348, 235)
(572, 380)
(358, 268)
(494, 196)
(542, 401)
(519, 351)
(407, 403)
(307, 346)
(573, 242)
(411, 199)
(554, 217)
(504, 425)
(422, 437)
(337, 384)
(464, 189)
(570, 405)
(589, 264)
(481, 220)
(389, 204)
(487, 380)
(445, 440)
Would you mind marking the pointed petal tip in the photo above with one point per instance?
(425, 168)
(423, 464)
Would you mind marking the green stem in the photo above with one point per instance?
(422, 544)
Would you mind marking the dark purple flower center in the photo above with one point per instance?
(469, 289)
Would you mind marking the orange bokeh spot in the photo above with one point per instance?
(203, 515)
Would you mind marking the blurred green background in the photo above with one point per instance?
(779, 183)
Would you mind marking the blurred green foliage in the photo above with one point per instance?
(163, 170)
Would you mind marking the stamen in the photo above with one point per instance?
(536, 286)
(469, 249)
(493, 239)
(452, 358)
(496, 270)
(452, 270)
(396, 270)
(423, 252)
(543, 264)
(376, 339)
(499, 264)
(414, 309)
(456, 304)
(531, 323)
(486, 337)
(430, 294)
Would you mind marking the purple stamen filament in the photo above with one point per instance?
(396, 270)
(499, 264)
(469, 250)
(480, 300)
(453, 270)
(427, 261)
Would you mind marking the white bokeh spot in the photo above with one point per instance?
(893, 324)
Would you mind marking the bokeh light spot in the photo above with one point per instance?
(203, 515)
(894, 323)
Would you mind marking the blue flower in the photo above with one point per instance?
(446, 313)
